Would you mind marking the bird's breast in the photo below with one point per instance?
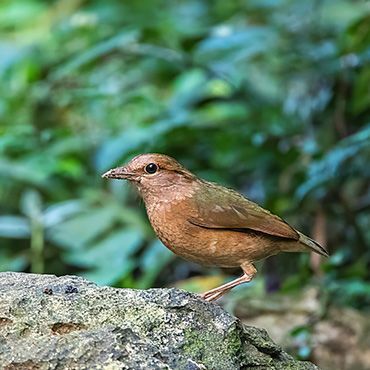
(169, 220)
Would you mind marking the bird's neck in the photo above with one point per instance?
(170, 194)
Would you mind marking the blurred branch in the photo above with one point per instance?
(340, 108)
(351, 218)
(37, 247)
(320, 235)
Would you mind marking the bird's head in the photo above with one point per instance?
(152, 172)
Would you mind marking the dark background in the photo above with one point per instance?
(270, 97)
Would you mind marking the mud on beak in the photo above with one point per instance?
(119, 173)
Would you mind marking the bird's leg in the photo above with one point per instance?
(218, 292)
(213, 294)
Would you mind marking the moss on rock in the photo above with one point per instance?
(49, 322)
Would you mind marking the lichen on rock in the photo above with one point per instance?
(49, 322)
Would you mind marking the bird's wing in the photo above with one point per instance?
(230, 210)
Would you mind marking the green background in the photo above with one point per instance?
(269, 97)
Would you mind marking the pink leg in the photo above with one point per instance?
(213, 294)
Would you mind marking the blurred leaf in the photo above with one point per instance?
(355, 292)
(17, 13)
(31, 204)
(188, 88)
(12, 262)
(14, 227)
(59, 212)
(227, 43)
(153, 260)
(361, 96)
(339, 258)
(100, 50)
(70, 145)
(342, 13)
(133, 138)
(331, 165)
(10, 55)
(110, 259)
(216, 114)
(21, 172)
(82, 229)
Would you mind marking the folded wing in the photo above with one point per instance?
(230, 210)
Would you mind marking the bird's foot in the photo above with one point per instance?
(209, 297)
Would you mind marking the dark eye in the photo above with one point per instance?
(151, 168)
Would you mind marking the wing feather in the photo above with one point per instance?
(230, 210)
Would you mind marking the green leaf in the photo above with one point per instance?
(131, 139)
(154, 259)
(110, 259)
(230, 45)
(82, 229)
(188, 88)
(60, 212)
(116, 42)
(22, 173)
(342, 13)
(31, 204)
(19, 13)
(332, 164)
(350, 291)
(12, 262)
(15, 227)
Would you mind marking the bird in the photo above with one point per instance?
(207, 223)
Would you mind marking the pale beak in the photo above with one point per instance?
(119, 173)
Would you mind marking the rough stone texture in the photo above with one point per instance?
(48, 322)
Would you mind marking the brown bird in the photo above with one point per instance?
(208, 223)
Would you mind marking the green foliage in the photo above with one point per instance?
(270, 97)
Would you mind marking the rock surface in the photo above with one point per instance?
(49, 322)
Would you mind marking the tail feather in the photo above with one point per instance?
(312, 244)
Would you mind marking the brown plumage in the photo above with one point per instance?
(208, 223)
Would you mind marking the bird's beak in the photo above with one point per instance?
(119, 173)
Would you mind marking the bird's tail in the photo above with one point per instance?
(312, 244)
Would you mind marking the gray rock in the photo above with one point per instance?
(49, 322)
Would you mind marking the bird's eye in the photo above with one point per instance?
(151, 168)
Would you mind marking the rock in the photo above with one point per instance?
(49, 322)
(338, 337)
